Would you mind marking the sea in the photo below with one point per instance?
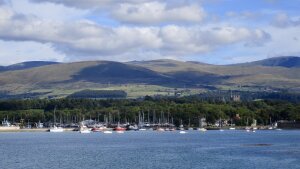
(230, 149)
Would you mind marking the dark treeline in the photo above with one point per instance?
(163, 109)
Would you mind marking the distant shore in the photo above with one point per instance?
(31, 130)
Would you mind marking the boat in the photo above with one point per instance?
(182, 132)
(132, 127)
(160, 129)
(84, 130)
(202, 129)
(231, 128)
(119, 128)
(99, 129)
(107, 132)
(56, 129)
(96, 129)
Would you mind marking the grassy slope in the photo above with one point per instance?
(66, 78)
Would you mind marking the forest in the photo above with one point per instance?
(185, 109)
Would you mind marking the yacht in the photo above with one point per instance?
(119, 128)
(56, 129)
(202, 129)
(84, 130)
(182, 132)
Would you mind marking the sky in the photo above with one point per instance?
(210, 31)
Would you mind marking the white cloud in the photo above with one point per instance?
(86, 39)
(157, 12)
(283, 20)
(89, 4)
(138, 11)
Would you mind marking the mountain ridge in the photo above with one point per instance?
(57, 78)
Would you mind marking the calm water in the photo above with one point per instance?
(213, 149)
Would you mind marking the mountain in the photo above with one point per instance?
(288, 62)
(139, 78)
(26, 65)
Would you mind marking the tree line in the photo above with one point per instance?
(186, 109)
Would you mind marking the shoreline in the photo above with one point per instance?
(74, 130)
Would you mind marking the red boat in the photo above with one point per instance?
(96, 129)
(118, 128)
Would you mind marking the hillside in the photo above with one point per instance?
(26, 65)
(288, 62)
(146, 77)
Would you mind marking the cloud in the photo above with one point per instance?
(89, 4)
(82, 39)
(139, 11)
(282, 20)
(157, 12)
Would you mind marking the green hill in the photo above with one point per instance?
(140, 78)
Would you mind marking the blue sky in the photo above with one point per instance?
(211, 31)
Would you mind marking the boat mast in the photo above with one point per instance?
(54, 119)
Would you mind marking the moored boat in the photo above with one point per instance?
(202, 129)
(84, 130)
(182, 132)
(56, 129)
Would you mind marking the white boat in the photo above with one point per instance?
(107, 132)
(84, 130)
(202, 129)
(231, 128)
(221, 130)
(182, 132)
(120, 132)
(55, 129)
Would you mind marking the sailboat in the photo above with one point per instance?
(271, 126)
(201, 128)
(84, 129)
(231, 125)
(119, 129)
(220, 125)
(181, 128)
(55, 129)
